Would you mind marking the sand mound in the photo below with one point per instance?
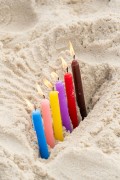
(33, 35)
(83, 161)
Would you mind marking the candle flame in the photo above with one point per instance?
(29, 104)
(48, 83)
(39, 90)
(72, 52)
(64, 64)
(54, 75)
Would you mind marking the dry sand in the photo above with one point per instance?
(33, 34)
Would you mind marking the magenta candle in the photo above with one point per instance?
(63, 105)
(47, 119)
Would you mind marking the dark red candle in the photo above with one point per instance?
(79, 88)
(71, 99)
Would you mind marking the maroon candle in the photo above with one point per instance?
(78, 88)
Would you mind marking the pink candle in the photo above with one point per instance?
(47, 119)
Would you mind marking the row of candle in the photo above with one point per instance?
(62, 109)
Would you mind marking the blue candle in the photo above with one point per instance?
(38, 126)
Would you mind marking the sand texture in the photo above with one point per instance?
(33, 35)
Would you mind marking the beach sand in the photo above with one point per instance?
(33, 35)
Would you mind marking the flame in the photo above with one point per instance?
(72, 52)
(54, 75)
(39, 90)
(48, 83)
(64, 64)
(30, 105)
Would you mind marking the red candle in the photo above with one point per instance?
(71, 99)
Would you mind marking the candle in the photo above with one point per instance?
(78, 84)
(55, 108)
(70, 95)
(38, 125)
(47, 119)
(79, 88)
(71, 99)
(63, 105)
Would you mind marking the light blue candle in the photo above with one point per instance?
(38, 126)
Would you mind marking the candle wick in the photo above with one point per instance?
(74, 57)
(35, 107)
(43, 96)
(53, 88)
(58, 78)
(67, 69)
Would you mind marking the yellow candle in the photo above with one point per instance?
(57, 122)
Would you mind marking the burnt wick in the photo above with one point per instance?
(35, 107)
(67, 69)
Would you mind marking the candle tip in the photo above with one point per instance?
(48, 83)
(64, 64)
(35, 107)
(72, 52)
(40, 92)
(29, 104)
(67, 69)
(43, 96)
(54, 75)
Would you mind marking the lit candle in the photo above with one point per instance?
(63, 104)
(38, 126)
(70, 95)
(55, 108)
(78, 84)
(45, 107)
(47, 119)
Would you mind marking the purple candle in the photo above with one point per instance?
(63, 106)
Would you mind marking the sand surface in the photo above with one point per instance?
(33, 35)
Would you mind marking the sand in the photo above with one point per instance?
(33, 35)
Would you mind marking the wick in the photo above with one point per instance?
(58, 78)
(35, 107)
(53, 88)
(74, 57)
(43, 96)
(67, 69)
